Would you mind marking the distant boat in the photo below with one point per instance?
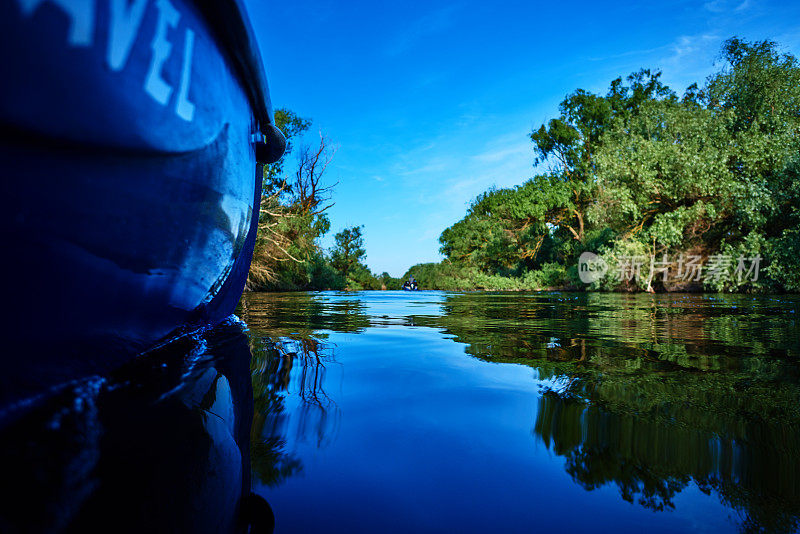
(130, 132)
(410, 285)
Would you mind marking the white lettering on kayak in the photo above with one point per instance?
(124, 26)
(81, 12)
(155, 85)
(184, 108)
(125, 23)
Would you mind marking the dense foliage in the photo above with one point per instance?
(651, 183)
(292, 219)
(348, 257)
(287, 255)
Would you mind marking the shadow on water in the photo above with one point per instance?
(160, 446)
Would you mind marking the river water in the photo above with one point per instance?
(384, 412)
(560, 412)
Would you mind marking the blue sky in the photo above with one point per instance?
(431, 103)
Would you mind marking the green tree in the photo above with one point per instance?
(348, 251)
(640, 172)
(389, 282)
(715, 173)
(758, 95)
(570, 141)
(292, 217)
(505, 230)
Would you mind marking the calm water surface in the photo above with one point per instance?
(479, 412)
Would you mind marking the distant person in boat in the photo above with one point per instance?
(410, 284)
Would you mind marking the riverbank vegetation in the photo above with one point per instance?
(668, 192)
(638, 189)
(293, 219)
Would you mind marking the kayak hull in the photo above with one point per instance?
(128, 142)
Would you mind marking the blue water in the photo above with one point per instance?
(438, 412)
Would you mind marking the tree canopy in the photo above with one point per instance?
(349, 249)
(640, 172)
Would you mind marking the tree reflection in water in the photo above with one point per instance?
(652, 393)
(651, 461)
(290, 359)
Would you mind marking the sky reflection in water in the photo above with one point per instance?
(429, 411)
